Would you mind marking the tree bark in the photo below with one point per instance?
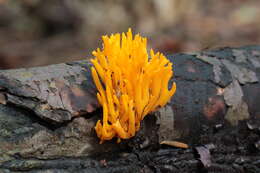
(47, 115)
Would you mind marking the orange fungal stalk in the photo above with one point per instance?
(130, 84)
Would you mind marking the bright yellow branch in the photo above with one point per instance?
(130, 82)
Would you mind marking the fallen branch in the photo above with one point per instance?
(49, 113)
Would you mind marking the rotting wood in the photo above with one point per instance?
(49, 113)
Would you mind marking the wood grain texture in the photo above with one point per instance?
(47, 115)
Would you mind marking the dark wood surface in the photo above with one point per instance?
(47, 115)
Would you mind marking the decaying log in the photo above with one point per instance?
(47, 115)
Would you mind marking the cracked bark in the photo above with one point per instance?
(47, 115)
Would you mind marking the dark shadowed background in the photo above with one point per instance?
(40, 32)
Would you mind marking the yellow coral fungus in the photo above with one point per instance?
(130, 84)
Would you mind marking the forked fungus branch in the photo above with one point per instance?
(130, 82)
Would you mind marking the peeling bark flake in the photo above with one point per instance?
(239, 56)
(238, 109)
(243, 75)
(216, 66)
(165, 119)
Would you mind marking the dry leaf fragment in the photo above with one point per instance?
(175, 144)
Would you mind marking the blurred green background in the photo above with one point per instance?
(40, 32)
